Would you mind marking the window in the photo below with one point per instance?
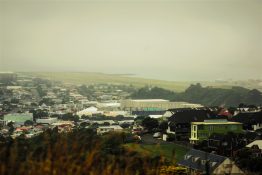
(203, 162)
(188, 157)
(202, 134)
(196, 159)
(200, 127)
(211, 128)
(212, 164)
(233, 127)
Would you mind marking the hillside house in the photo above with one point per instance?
(251, 120)
(104, 129)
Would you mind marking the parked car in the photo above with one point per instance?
(157, 135)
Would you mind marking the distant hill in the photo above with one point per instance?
(207, 96)
(79, 78)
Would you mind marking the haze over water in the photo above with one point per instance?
(171, 40)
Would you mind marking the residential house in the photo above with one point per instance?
(256, 148)
(2, 123)
(226, 144)
(104, 129)
(89, 111)
(200, 162)
(63, 126)
(179, 123)
(46, 120)
(250, 120)
(115, 113)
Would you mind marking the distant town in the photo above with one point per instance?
(194, 138)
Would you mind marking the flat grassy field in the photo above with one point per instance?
(172, 152)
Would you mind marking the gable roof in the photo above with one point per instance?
(148, 113)
(248, 117)
(256, 142)
(192, 115)
(195, 159)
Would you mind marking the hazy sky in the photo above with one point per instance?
(174, 40)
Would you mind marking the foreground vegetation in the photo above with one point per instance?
(172, 152)
(78, 152)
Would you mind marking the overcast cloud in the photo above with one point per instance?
(174, 40)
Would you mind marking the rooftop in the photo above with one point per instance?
(112, 126)
(150, 100)
(197, 160)
(256, 142)
(215, 122)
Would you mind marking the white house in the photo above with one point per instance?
(105, 129)
(256, 142)
(115, 113)
(46, 120)
(89, 111)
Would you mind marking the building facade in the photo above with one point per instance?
(153, 105)
(203, 130)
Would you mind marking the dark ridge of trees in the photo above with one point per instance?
(154, 92)
(207, 96)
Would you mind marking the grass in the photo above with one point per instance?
(172, 152)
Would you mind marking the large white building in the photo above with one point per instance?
(154, 104)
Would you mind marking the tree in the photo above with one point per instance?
(119, 117)
(150, 123)
(106, 124)
(70, 117)
(85, 117)
(11, 127)
(125, 125)
(39, 114)
(163, 126)
(139, 119)
(84, 124)
(28, 123)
